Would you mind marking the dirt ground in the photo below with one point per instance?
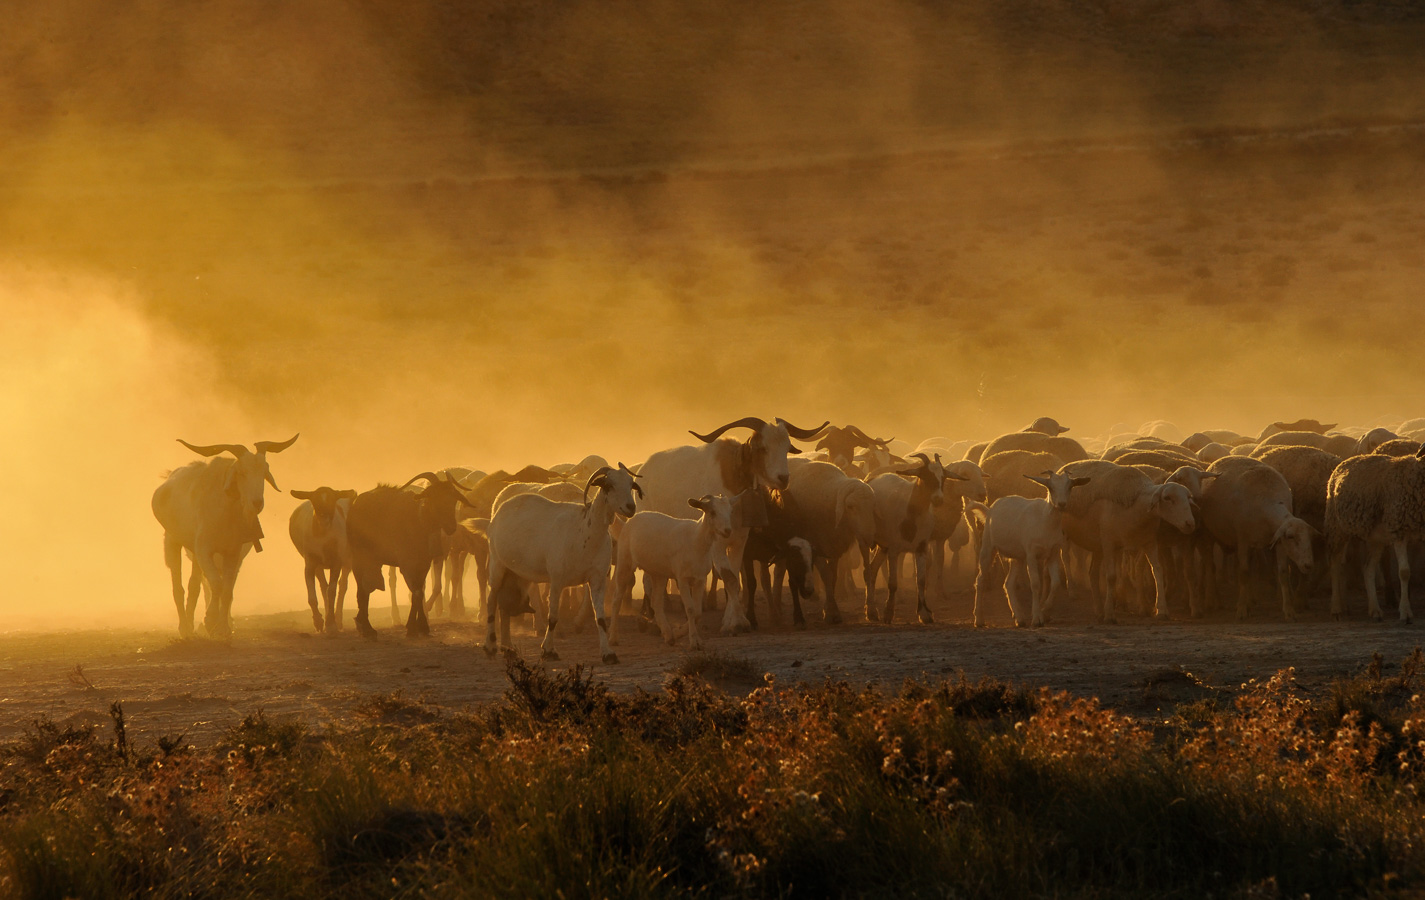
(201, 687)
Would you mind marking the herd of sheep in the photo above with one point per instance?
(1139, 519)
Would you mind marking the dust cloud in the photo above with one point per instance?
(431, 234)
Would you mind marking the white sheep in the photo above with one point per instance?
(684, 550)
(535, 540)
(318, 531)
(1030, 534)
(1379, 500)
(905, 521)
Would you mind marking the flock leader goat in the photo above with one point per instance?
(1131, 519)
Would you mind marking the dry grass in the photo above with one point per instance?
(565, 788)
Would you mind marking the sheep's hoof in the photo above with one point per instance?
(611, 659)
(978, 624)
(1378, 616)
(926, 618)
(419, 630)
(1335, 617)
(801, 624)
(490, 649)
(549, 655)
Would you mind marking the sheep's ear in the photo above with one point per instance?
(1210, 474)
(1039, 479)
(696, 504)
(1080, 481)
(793, 451)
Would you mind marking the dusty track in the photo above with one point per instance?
(201, 687)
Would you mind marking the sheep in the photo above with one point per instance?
(1006, 474)
(1163, 457)
(1398, 447)
(1307, 472)
(535, 540)
(1341, 445)
(976, 453)
(1211, 453)
(1249, 508)
(1159, 428)
(1120, 511)
(389, 526)
(210, 509)
(1065, 448)
(1030, 534)
(905, 520)
(318, 531)
(966, 484)
(1379, 500)
(562, 492)
(838, 515)
(723, 466)
(781, 550)
(681, 549)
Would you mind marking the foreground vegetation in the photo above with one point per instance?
(565, 789)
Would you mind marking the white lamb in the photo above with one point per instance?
(684, 550)
(1029, 534)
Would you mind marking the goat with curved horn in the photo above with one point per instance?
(276, 446)
(752, 422)
(215, 449)
(595, 480)
(428, 476)
(802, 434)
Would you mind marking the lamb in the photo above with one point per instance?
(1379, 500)
(1249, 508)
(1045, 425)
(681, 549)
(1120, 511)
(1030, 534)
(1007, 474)
(1211, 453)
(535, 540)
(905, 520)
(1398, 447)
(389, 526)
(976, 453)
(210, 509)
(318, 531)
(838, 515)
(1310, 425)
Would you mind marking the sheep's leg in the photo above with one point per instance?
(313, 575)
(491, 605)
(893, 577)
(391, 586)
(658, 600)
(692, 602)
(1160, 581)
(436, 602)
(922, 581)
(1283, 568)
(457, 584)
(982, 582)
(1014, 590)
(546, 647)
(539, 602)
(1110, 567)
(832, 615)
(417, 625)
(1369, 567)
(213, 573)
(482, 584)
(338, 623)
(1338, 580)
(1098, 588)
(173, 559)
(1402, 567)
(871, 572)
(584, 609)
(197, 585)
(749, 578)
(796, 590)
(776, 571)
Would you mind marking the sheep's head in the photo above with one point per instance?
(1294, 538)
(768, 447)
(1046, 425)
(717, 512)
(931, 476)
(1194, 479)
(1058, 484)
(1173, 504)
(243, 482)
(841, 444)
(973, 477)
(856, 509)
(617, 486)
(1374, 438)
(324, 501)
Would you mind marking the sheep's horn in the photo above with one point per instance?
(866, 439)
(752, 422)
(429, 476)
(923, 457)
(267, 477)
(629, 471)
(276, 446)
(214, 449)
(303, 495)
(802, 434)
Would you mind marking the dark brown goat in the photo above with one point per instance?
(388, 526)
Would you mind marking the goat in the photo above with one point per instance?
(725, 466)
(905, 521)
(680, 549)
(318, 531)
(535, 540)
(837, 514)
(389, 526)
(210, 509)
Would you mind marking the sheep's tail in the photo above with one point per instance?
(477, 526)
